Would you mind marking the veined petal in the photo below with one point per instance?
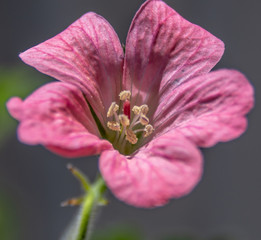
(163, 50)
(87, 54)
(207, 109)
(58, 117)
(168, 167)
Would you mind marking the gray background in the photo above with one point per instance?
(228, 198)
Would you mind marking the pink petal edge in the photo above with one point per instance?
(163, 50)
(58, 117)
(207, 109)
(168, 167)
(87, 54)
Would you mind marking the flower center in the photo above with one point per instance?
(128, 130)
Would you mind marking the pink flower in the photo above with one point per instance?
(146, 111)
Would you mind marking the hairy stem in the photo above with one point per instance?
(90, 202)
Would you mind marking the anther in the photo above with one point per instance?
(112, 109)
(115, 126)
(125, 95)
(124, 120)
(131, 137)
(144, 120)
(136, 110)
(144, 109)
(148, 130)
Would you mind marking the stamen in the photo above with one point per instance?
(135, 121)
(115, 126)
(138, 130)
(122, 135)
(131, 137)
(116, 117)
(144, 109)
(125, 95)
(126, 127)
(144, 120)
(148, 130)
(124, 120)
(112, 109)
(136, 110)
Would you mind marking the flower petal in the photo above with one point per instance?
(58, 117)
(87, 54)
(168, 167)
(163, 50)
(207, 109)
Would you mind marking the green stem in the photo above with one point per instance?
(91, 200)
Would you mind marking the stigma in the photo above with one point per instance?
(128, 123)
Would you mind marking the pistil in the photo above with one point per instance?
(126, 108)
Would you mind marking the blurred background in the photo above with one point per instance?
(33, 181)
